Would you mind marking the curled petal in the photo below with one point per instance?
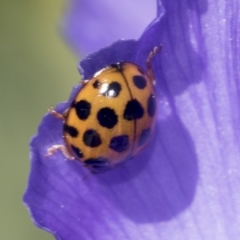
(90, 26)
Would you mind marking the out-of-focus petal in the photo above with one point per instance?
(90, 26)
(185, 185)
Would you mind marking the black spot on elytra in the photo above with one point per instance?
(96, 84)
(144, 136)
(83, 109)
(133, 110)
(112, 90)
(119, 143)
(72, 131)
(91, 138)
(107, 117)
(117, 65)
(139, 81)
(77, 151)
(98, 162)
(97, 165)
(151, 105)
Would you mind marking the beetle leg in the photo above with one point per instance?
(149, 62)
(56, 114)
(61, 148)
(83, 81)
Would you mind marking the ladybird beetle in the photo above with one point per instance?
(112, 116)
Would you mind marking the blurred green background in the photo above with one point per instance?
(37, 70)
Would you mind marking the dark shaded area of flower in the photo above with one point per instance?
(187, 179)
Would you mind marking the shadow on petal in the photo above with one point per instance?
(122, 50)
(183, 58)
(166, 186)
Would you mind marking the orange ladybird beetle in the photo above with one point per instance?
(111, 118)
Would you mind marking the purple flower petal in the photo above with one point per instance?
(185, 185)
(90, 26)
